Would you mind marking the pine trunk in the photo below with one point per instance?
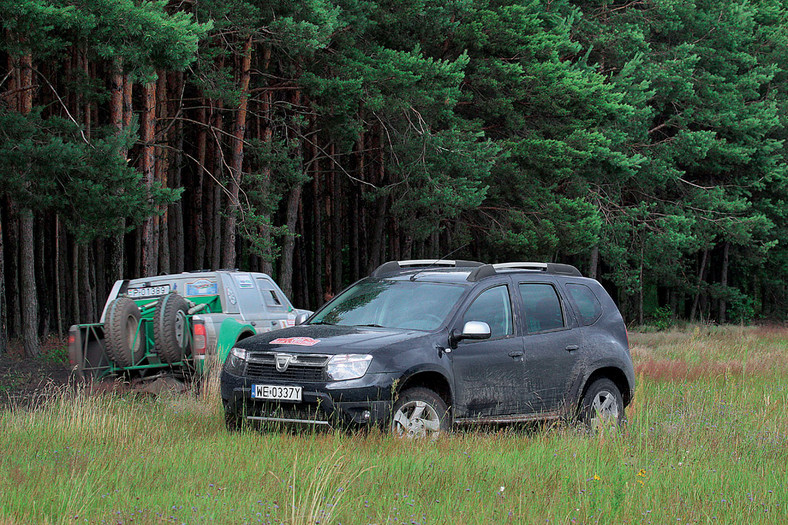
(293, 201)
(28, 293)
(286, 262)
(41, 264)
(336, 278)
(317, 227)
(177, 247)
(593, 269)
(149, 226)
(75, 306)
(117, 87)
(218, 171)
(724, 282)
(267, 134)
(58, 281)
(237, 159)
(198, 232)
(3, 307)
(163, 171)
(701, 276)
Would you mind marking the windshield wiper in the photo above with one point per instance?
(322, 322)
(373, 325)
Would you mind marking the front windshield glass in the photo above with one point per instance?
(392, 304)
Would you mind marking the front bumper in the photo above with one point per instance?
(363, 401)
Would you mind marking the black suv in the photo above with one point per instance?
(422, 345)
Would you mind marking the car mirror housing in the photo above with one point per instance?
(301, 317)
(473, 330)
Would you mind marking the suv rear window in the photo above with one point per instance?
(587, 304)
(542, 308)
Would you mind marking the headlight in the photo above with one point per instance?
(348, 366)
(236, 361)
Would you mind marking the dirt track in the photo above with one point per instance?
(23, 380)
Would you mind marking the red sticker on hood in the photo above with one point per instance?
(298, 341)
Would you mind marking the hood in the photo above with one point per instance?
(327, 339)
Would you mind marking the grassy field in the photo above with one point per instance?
(707, 442)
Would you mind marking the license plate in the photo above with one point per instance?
(276, 392)
(150, 291)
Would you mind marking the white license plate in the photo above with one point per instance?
(276, 392)
(150, 291)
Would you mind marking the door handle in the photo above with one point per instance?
(571, 348)
(516, 353)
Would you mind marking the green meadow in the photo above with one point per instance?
(706, 442)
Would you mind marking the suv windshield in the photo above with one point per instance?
(392, 304)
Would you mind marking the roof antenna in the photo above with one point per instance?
(436, 261)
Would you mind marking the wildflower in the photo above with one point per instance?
(596, 478)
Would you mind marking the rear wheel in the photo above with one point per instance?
(171, 328)
(122, 334)
(602, 405)
(419, 413)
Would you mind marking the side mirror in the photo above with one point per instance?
(472, 330)
(302, 316)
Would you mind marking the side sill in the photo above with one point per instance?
(516, 418)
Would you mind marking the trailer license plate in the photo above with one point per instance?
(277, 393)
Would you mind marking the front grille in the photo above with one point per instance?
(306, 367)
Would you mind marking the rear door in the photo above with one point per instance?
(275, 305)
(488, 374)
(552, 342)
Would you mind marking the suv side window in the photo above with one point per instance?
(494, 308)
(588, 305)
(270, 296)
(542, 308)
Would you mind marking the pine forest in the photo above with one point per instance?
(642, 141)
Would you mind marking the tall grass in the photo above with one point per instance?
(702, 450)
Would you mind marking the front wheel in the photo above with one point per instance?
(602, 405)
(420, 413)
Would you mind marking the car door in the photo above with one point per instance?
(488, 373)
(552, 344)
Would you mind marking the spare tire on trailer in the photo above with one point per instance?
(122, 335)
(171, 328)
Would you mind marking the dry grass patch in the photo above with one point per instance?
(710, 352)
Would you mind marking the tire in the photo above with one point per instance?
(234, 418)
(171, 328)
(602, 405)
(419, 413)
(122, 335)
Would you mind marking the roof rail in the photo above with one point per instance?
(552, 268)
(486, 270)
(394, 267)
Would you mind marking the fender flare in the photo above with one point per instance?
(230, 332)
(582, 381)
